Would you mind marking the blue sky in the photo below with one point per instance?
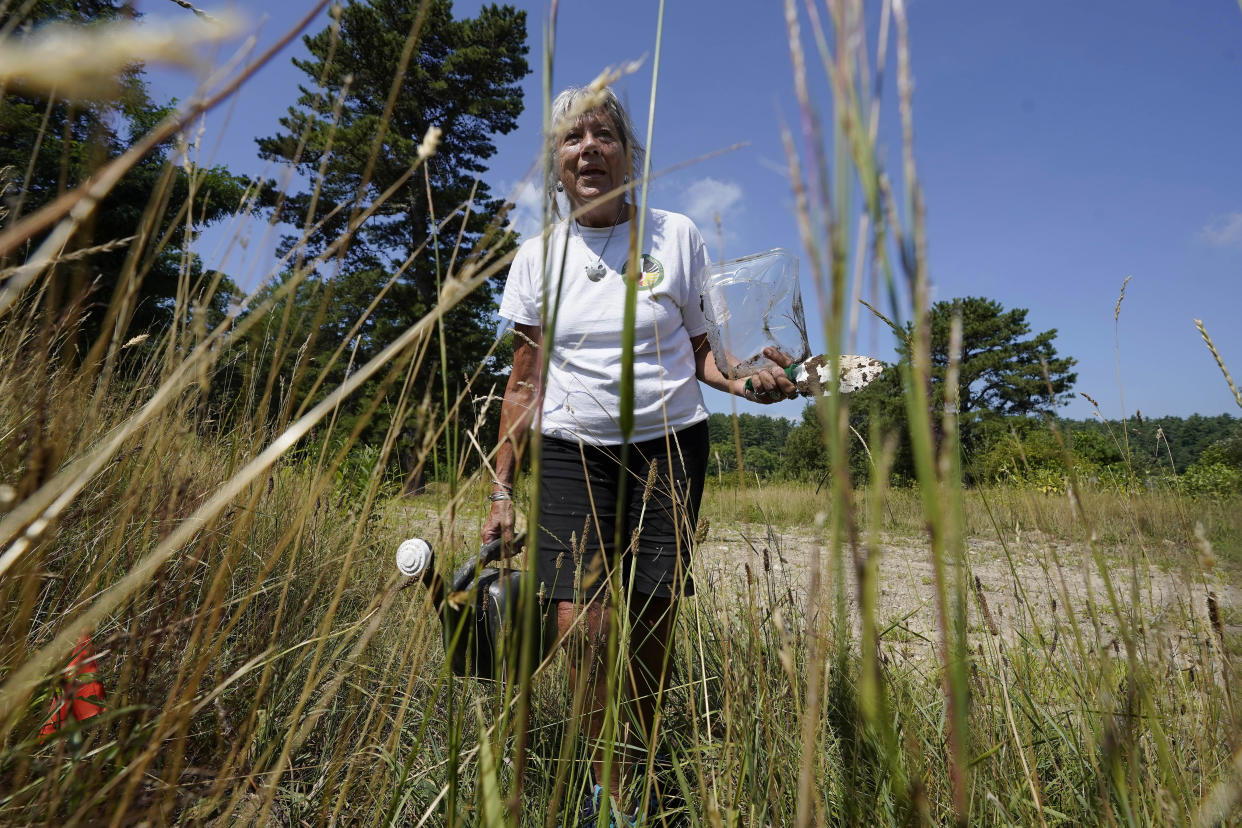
(1062, 147)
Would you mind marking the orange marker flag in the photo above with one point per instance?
(83, 692)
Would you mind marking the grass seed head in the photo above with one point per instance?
(86, 62)
(1120, 298)
(431, 142)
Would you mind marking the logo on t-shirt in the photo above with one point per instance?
(652, 273)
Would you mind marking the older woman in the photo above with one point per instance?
(566, 293)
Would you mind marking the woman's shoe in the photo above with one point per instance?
(588, 810)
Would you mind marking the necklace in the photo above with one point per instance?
(596, 271)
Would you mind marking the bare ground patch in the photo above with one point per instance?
(1044, 592)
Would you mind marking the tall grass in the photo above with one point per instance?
(262, 664)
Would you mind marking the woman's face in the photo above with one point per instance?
(591, 159)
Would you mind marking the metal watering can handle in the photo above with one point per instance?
(488, 553)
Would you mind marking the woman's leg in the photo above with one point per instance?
(584, 631)
(665, 480)
(652, 625)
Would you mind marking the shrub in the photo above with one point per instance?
(1212, 479)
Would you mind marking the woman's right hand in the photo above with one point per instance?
(522, 396)
(501, 523)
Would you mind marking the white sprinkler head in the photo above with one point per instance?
(413, 556)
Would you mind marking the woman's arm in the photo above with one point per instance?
(767, 386)
(522, 395)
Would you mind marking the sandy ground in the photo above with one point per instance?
(1034, 591)
(1037, 590)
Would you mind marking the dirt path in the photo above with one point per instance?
(1040, 590)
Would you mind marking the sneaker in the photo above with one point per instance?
(641, 815)
(620, 820)
(589, 812)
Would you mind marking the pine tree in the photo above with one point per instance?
(1004, 370)
(53, 145)
(462, 77)
(1002, 382)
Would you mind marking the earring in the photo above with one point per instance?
(560, 188)
(625, 180)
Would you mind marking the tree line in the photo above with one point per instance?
(779, 448)
(1010, 382)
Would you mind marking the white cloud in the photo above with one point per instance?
(780, 168)
(707, 198)
(1223, 231)
(526, 217)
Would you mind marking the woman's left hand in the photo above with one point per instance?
(771, 385)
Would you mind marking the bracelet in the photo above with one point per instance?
(507, 487)
(496, 497)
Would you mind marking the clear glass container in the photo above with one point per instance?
(753, 303)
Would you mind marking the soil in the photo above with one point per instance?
(1023, 593)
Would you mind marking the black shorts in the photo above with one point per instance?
(579, 488)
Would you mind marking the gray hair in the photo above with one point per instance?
(572, 104)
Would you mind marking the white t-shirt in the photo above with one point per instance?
(582, 389)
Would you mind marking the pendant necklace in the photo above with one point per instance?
(596, 271)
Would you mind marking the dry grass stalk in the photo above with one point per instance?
(185, 4)
(1207, 340)
(983, 607)
(77, 255)
(89, 194)
(1120, 298)
(85, 62)
(1214, 618)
